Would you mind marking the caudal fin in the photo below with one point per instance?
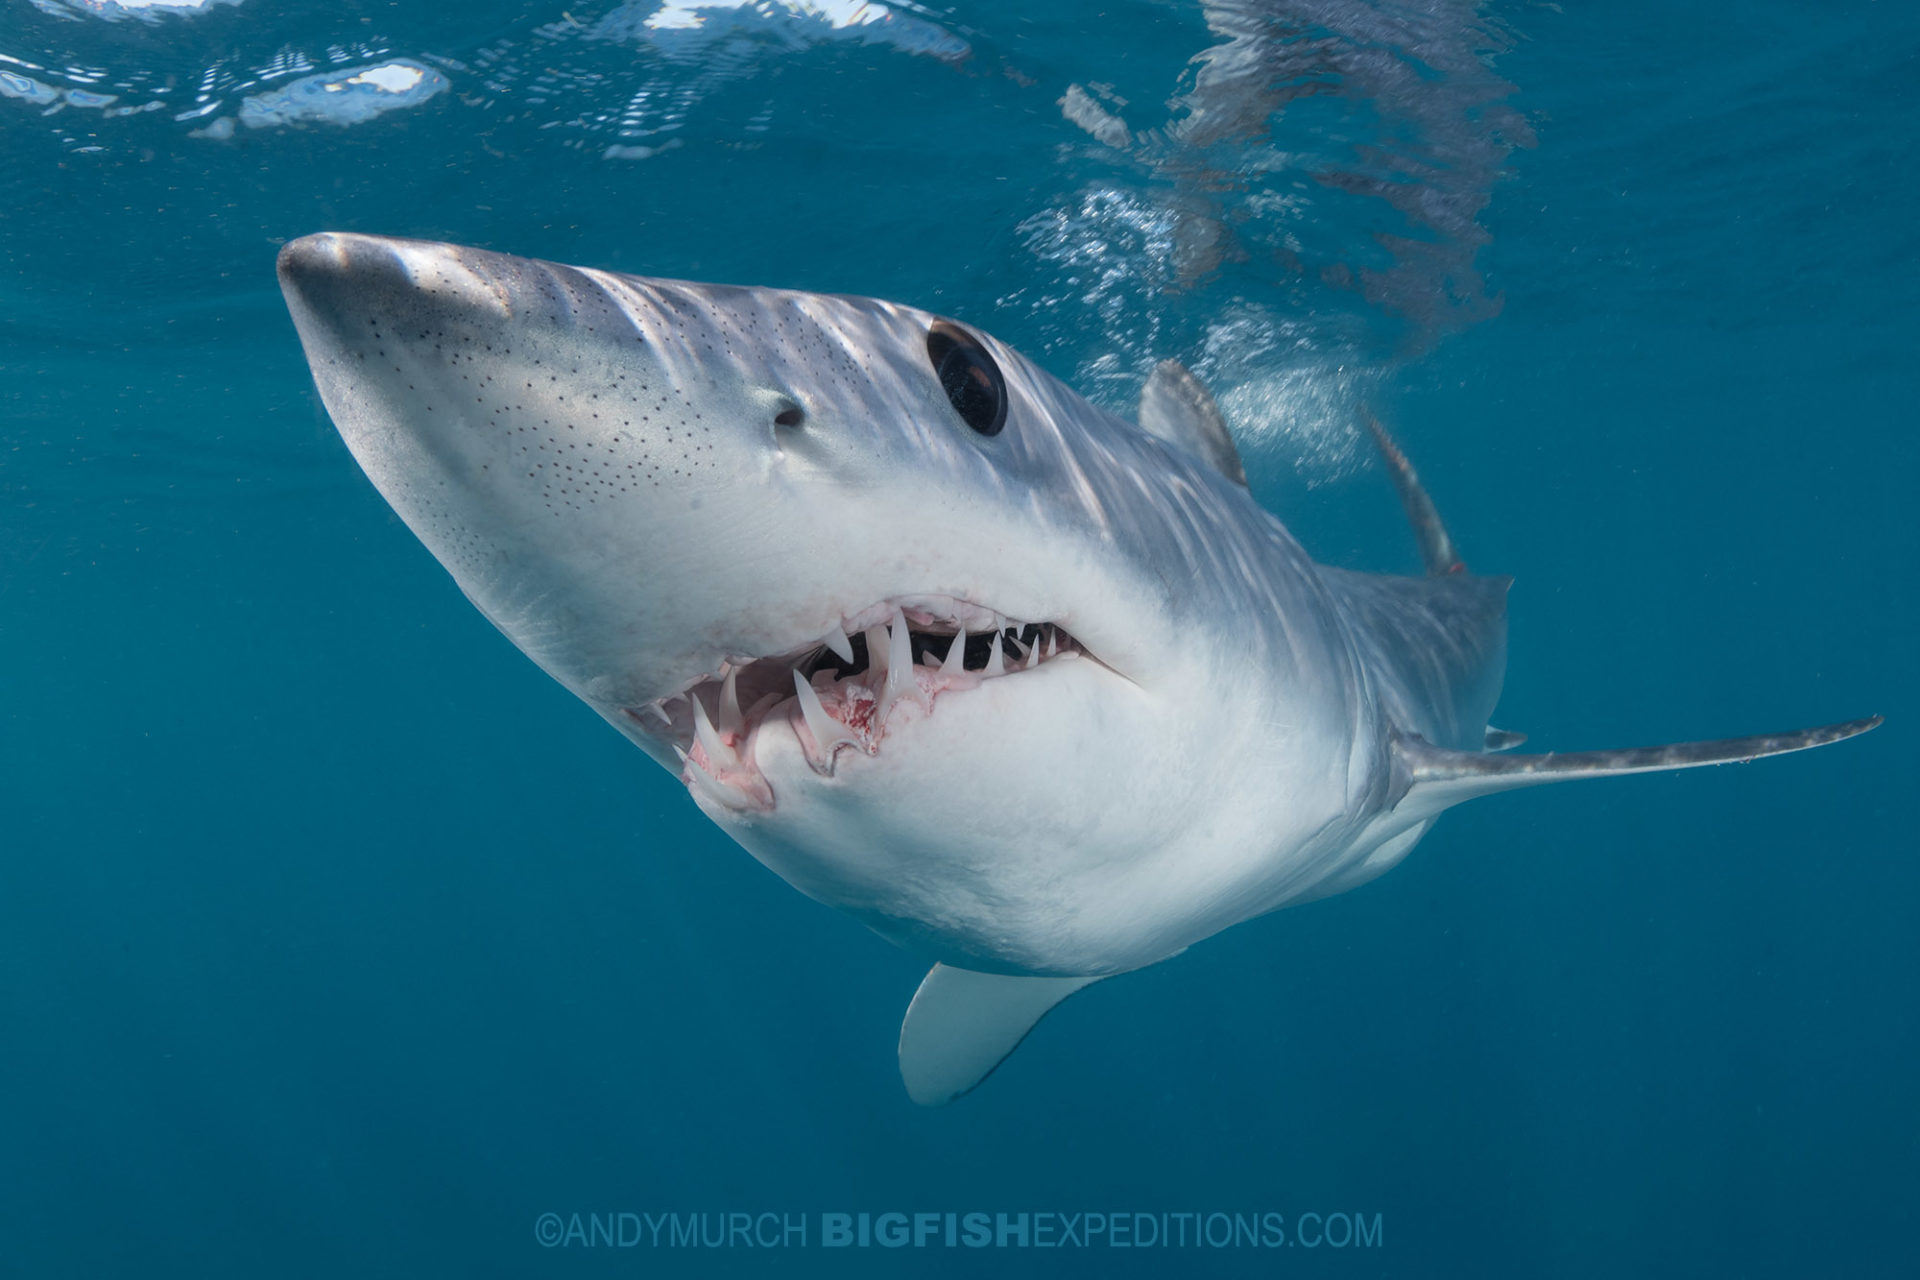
(1434, 778)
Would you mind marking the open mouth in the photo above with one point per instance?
(842, 691)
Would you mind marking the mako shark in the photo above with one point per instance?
(1036, 692)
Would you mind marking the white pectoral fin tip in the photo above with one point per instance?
(962, 1024)
(1439, 778)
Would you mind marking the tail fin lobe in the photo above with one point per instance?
(1435, 778)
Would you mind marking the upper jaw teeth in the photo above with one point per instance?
(928, 611)
(837, 702)
(901, 682)
(956, 659)
(731, 721)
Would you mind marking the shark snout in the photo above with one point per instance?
(578, 451)
(325, 259)
(346, 285)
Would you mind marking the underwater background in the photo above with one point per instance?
(335, 939)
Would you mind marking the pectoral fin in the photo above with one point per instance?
(1436, 779)
(963, 1024)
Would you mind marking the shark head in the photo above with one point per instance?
(940, 642)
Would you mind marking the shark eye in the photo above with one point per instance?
(969, 376)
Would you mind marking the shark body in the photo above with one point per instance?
(1034, 691)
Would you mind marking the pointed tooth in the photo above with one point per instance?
(996, 664)
(827, 732)
(731, 721)
(899, 648)
(956, 659)
(1014, 640)
(708, 785)
(717, 751)
(1033, 654)
(837, 641)
(1053, 641)
(876, 658)
(656, 709)
(900, 681)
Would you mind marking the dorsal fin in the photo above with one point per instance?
(1176, 407)
(963, 1024)
(1436, 548)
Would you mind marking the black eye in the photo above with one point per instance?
(969, 376)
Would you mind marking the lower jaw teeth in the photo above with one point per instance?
(717, 762)
(827, 732)
(740, 791)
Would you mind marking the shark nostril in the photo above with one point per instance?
(791, 416)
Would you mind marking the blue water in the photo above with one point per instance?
(337, 940)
